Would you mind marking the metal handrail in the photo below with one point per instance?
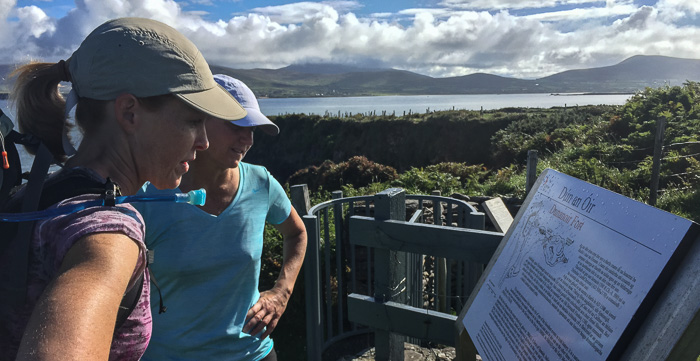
(315, 209)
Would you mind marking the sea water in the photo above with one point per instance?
(400, 104)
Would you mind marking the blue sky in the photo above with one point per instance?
(518, 38)
(214, 10)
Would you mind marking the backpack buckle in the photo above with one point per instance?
(111, 192)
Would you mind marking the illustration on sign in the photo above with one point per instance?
(534, 238)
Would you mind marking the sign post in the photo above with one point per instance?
(576, 275)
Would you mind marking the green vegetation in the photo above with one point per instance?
(484, 153)
(610, 146)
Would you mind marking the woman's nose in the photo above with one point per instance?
(201, 142)
(247, 136)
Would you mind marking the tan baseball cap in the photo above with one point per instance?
(146, 58)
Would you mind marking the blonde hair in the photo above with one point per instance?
(40, 106)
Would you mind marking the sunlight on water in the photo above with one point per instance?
(423, 103)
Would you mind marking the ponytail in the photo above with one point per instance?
(40, 106)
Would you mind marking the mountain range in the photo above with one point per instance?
(311, 80)
(628, 76)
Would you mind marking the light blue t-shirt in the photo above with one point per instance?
(208, 268)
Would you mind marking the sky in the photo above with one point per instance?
(440, 38)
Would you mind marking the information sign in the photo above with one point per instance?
(579, 265)
(498, 213)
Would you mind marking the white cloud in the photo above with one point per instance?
(343, 6)
(298, 12)
(441, 42)
(584, 13)
(511, 4)
(17, 38)
(679, 10)
(690, 6)
(438, 42)
(202, 2)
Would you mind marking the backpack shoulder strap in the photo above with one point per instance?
(129, 302)
(14, 289)
(39, 194)
(10, 172)
(76, 182)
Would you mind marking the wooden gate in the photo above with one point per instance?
(364, 268)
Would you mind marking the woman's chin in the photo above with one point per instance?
(167, 184)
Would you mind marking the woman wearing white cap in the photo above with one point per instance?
(143, 93)
(207, 259)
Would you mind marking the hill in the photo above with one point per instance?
(631, 75)
(312, 80)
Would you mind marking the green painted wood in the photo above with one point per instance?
(406, 320)
(339, 263)
(476, 220)
(300, 198)
(312, 280)
(455, 243)
(388, 204)
(440, 262)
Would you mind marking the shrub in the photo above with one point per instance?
(423, 181)
(509, 181)
(358, 171)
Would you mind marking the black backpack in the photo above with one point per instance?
(38, 194)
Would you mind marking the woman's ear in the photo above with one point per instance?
(125, 111)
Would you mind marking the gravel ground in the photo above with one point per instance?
(411, 353)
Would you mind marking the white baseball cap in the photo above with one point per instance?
(245, 96)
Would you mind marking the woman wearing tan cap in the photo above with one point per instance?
(143, 93)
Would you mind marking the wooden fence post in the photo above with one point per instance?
(656, 163)
(389, 204)
(312, 275)
(312, 288)
(440, 262)
(300, 198)
(531, 170)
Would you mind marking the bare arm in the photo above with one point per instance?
(272, 304)
(75, 316)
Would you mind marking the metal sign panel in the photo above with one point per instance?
(575, 275)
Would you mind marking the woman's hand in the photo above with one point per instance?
(266, 312)
(272, 304)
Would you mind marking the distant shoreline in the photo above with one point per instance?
(590, 93)
(5, 96)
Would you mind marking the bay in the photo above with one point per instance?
(402, 104)
(426, 103)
